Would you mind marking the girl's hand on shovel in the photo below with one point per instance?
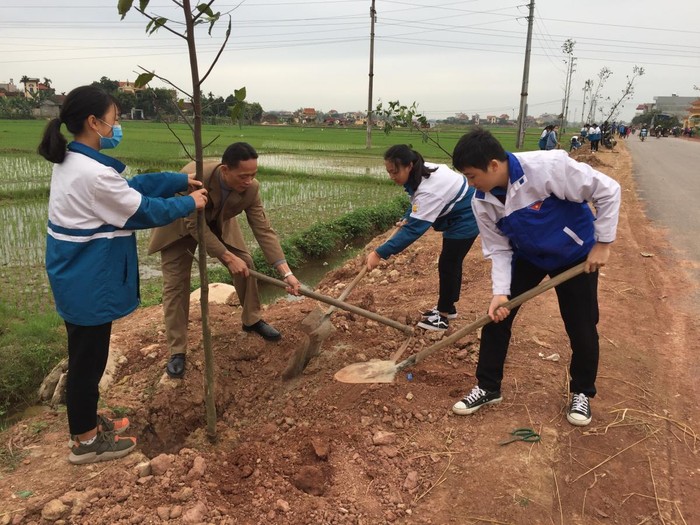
(373, 260)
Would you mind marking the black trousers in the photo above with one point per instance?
(450, 271)
(88, 348)
(578, 305)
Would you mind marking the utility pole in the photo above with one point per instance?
(526, 77)
(373, 17)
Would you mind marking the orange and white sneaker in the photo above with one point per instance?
(104, 424)
(105, 447)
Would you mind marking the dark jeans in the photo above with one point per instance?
(594, 145)
(450, 271)
(578, 305)
(88, 348)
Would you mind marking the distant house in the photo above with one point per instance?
(31, 87)
(476, 119)
(492, 119)
(128, 87)
(47, 109)
(277, 118)
(305, 116)
(8, 87)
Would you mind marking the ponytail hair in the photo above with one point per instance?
(80, 103)
(404, 155)
(53, 143)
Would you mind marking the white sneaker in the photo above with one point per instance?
(435, 311)
(474, 400)
(579, 413)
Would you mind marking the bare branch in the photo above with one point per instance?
(221, 50)
(184, 147)
(154, 19)
(166, 81)
(210, 142)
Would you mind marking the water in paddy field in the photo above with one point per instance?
(292, 205)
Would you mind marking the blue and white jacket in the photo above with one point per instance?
(91, 256)
(546, 218)
(442, 201)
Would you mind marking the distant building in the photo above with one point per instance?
(674, 105)
(31, 87)
(8, 87)
(128, 87)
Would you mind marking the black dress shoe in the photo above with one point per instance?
(264, 330)
(176, 366)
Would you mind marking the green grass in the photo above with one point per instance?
(30, 345)
(151, 145)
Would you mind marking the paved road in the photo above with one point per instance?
(667, 171)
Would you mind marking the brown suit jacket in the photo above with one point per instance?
(221, 228)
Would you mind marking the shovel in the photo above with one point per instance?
(319, 328)
(337, 303)
(378, 371)
(318, 331)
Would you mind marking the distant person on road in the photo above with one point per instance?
(441, 198)
(594, 135)
(544, 136)
(552, 139)
(91, 255)
(584, 132)
(233, 190)
(534, 220)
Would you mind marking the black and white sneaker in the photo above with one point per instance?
(579, 413)
(473, 401)
(430, 313)
(436, 323)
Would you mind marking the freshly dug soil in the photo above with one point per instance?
(315, 451)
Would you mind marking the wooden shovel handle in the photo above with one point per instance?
(336, 302)
(483, 321)
(357, 278)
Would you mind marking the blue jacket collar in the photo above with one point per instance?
(81, 148)
(515, 170)
(515, 173)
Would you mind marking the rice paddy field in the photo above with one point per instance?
(307, 175)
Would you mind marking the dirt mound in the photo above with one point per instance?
(312, 450)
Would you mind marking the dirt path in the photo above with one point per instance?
(313, 451)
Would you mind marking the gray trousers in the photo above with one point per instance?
(176, 264)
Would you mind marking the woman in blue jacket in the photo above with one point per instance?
(91, 255)
(441, 198)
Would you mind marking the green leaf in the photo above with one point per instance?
(239, 94)
(143, 79)
(206, 9)
(143, 4)
(155, 25)
(213, 20)
(24, 494)
(235, 112)
(123, 6)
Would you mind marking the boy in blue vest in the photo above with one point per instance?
(534, 220)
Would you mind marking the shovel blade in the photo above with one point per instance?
(374, 371)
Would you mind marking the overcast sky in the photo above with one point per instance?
(449, 56)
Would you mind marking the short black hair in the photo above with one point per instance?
(237, 152)
(476, 149)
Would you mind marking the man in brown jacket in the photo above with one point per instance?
(232, 190)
